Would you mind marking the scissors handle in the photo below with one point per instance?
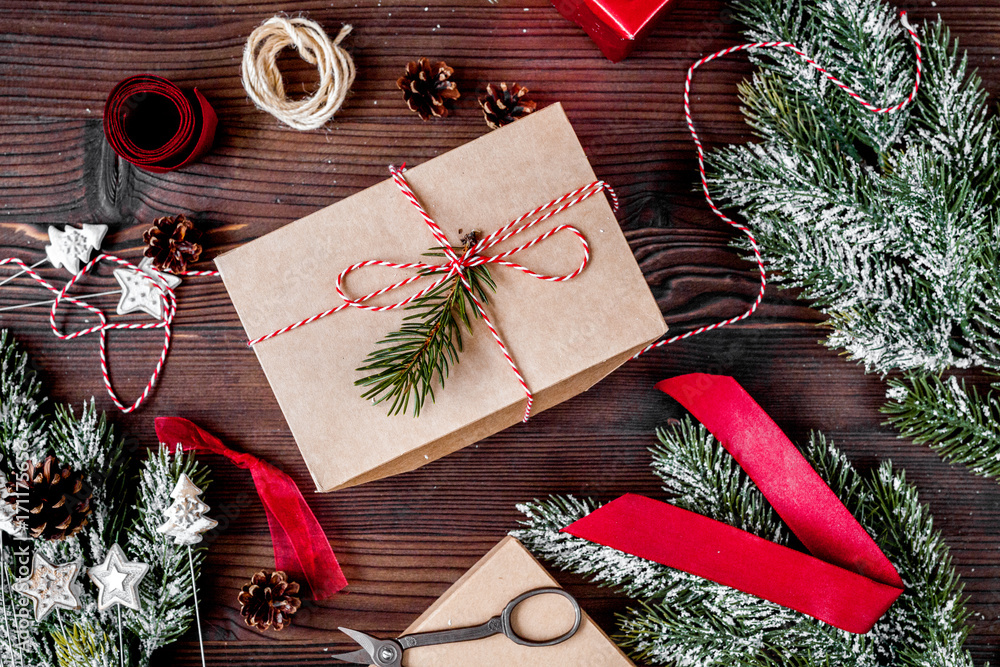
(497, 625)
(494, 626)
(511, 633)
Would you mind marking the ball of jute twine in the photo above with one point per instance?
(263, 81)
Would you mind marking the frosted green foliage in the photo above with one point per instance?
(684, 621)
(127, 505)
(87, 443)
(22, 426)
(167, 585)
(883, 223)
(85, 645)
(960, 423)
(888, 222)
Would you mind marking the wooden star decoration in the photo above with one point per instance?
(117, 580)
(140, 293)
(71, 246)
(186, 519)
(50, 586)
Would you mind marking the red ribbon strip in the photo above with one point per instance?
(456, 265)
(301, 548)
(847, 581)
(153, 124)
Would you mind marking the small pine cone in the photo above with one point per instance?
(428, 89)
(504, 104)
(269, 601)
(172, 243)
(56, 503)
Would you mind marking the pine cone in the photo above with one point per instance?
(56, 503)
(172, 243)
(504, 104)
(428, 89)
(269, 601)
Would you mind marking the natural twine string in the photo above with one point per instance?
(263, 81)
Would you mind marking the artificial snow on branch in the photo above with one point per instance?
(125, 506)
(889, 222)
(679, 619)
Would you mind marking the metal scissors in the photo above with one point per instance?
(389, 652)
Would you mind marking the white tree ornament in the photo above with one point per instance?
(72, 246)
(186, 519)
(50, 586)
(117, 580)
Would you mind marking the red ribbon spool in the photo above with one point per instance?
(153, 124)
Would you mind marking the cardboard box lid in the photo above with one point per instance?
(565, 336)
(501, 575)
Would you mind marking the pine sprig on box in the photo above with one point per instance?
(403, 368)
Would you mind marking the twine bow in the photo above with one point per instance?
(456, 265)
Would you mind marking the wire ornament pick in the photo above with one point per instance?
(136, 294)
(117, 580)
(185, 523)
(68, 248)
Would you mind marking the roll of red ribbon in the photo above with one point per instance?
(153, 124)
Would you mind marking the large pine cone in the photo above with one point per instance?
(172, 243)
(428, 89)
(269, 601)
(56, 503)
(504, 104)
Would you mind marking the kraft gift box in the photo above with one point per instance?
(564, 336)
(482, 593)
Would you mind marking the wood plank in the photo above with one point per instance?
(403, 541)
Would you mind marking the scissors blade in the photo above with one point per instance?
(366, 642)
(359, 657)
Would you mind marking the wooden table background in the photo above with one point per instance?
(403, 541)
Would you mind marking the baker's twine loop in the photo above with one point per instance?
(167, 295)
(263, 80)
(473, 256)
(701, 154)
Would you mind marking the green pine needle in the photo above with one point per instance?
(403, 367)
(126, 509)
(961, 424)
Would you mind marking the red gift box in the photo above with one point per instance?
(616, 25)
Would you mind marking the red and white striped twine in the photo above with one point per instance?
(169, 310)
(701, 154)
(456, 265)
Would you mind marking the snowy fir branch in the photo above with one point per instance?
(126, 505)
(962, 425)
(168, 607)
(678, 619)
(888, 222)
